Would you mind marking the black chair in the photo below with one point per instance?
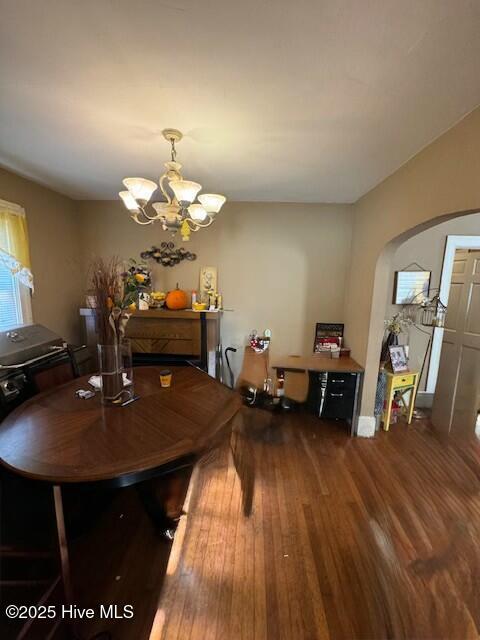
(29, 569)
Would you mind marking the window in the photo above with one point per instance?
(15, 275)
(10, 301)
(15, 302)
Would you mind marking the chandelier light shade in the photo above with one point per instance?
(129, 201)
(197, 212)
(140, 188)
(178, 210)
(212, 202)
(161, 208)
(185, 190)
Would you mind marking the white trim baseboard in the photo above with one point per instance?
(366, 426)
(424, 400)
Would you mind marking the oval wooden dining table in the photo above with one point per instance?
(58, 438)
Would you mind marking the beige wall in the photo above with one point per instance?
(53, 229)
(427, 248)
(443, 179)
(281, 266)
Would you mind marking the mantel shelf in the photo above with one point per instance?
(184, 314)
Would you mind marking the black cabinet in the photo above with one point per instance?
(333, 395)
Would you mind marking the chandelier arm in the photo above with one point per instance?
(145, 214)
(163, 190)
(136, 219)
(191, 223)
(199, 225)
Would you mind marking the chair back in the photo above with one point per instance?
(255, 368)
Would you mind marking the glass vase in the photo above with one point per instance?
(116, 372)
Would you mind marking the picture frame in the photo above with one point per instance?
(411, 287)
(327, 334)
(398, 358)
(208, 282)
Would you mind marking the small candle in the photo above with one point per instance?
(165, 378)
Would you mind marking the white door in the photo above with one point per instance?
(457, 394)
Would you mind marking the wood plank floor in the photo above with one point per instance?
(348, 538)
(121, 559)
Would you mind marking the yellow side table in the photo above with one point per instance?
(403, 383)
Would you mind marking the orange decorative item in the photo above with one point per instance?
(176, 299)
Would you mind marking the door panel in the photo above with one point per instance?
(459, 266)
(444, 394)
(466, 397)
(457, 396)
(453, 305)
(473, 313)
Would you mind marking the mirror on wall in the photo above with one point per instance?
(411, 287)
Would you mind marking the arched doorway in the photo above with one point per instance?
(382, 290)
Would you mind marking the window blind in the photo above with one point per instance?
(10, 304)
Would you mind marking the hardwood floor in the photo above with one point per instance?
(347, 539)
(121, 559)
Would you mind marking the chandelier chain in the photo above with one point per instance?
(174, 151)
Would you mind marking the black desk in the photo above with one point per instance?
(334, 385)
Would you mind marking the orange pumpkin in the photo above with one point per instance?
(176, 299)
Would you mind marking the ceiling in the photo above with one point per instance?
(305, 101)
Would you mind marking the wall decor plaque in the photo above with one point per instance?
(208, 283)
(167, 255)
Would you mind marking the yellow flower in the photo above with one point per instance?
(140, 278)
(132, 307)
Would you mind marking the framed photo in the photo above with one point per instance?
(398, 358)
(208, 282)
(327, 335)
(411, 287)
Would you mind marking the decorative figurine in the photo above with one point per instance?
(259, 343)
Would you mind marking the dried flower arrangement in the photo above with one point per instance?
(398, 323)
(111, 299)
(395, 325)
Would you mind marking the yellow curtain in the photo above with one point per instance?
(14, 246)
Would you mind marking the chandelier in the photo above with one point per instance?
(178, 211)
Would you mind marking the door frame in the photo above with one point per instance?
(452, 243)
